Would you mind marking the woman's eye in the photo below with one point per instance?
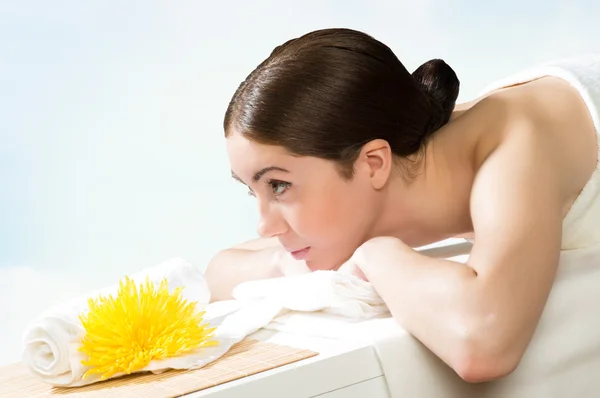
(279, 187)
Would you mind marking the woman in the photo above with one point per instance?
(350, 156)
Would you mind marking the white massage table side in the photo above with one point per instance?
(341, 369)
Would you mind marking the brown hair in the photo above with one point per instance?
(329, 92)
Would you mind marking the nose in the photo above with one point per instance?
(271, 222)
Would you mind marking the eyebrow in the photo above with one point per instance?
(258, 175)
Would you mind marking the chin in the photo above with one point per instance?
(330, 259)
(324, 264)
(321, 266)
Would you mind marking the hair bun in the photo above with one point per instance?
(440, 82)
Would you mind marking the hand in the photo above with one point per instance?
(286, 265)
(368, 253)
(350, 267)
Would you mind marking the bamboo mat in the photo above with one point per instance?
(244, 359)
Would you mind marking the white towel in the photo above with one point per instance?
(258, 303)
(331, 292)
(52, 340)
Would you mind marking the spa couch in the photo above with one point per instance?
(342, 368)
(562, 360)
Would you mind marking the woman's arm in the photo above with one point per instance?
(233, 266)
(259, 244)
(256, 259)
(480, 317)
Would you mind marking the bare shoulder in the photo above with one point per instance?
(537, 155)
(547, 120)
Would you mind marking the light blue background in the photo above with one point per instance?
(111, 146)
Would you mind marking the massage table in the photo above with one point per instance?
(341, 368)
(562, 359)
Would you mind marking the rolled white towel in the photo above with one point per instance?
(51, 341)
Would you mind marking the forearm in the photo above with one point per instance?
(231, 267)
(440, 303)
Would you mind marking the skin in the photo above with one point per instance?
(506, 169)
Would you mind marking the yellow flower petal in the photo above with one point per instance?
(124, 334)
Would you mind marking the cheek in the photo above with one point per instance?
(334, 221)
(331, 218)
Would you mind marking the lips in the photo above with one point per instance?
(300, 254)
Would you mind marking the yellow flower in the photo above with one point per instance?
(125, 333)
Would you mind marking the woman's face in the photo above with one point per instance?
(317, 215)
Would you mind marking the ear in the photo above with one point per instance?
(376, 159)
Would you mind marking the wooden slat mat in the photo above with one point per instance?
(244, 359)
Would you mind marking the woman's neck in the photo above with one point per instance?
(435, 204)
